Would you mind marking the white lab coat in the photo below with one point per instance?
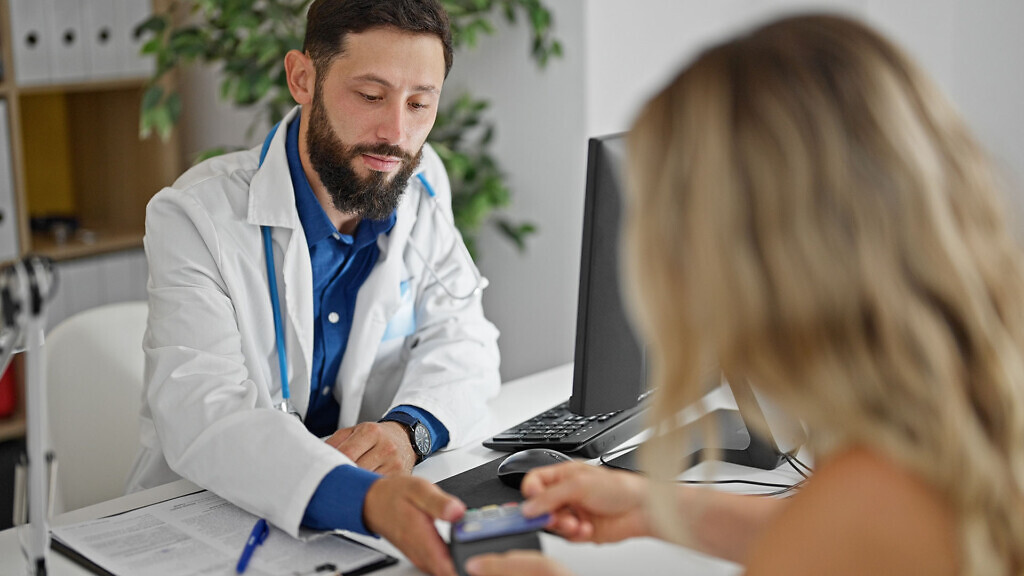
(212, 374)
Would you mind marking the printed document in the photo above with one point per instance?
(204, 534)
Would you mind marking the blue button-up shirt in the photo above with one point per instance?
(340, 265)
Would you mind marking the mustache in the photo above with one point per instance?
(382, 149)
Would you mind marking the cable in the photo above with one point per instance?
(798, 461)
(782, 488)
(792, 488)
(790, 459)
(735, 481)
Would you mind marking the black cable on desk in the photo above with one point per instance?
(782, 488)
(790, 459)
(798, 461)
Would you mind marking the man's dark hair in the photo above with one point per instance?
(329, 21)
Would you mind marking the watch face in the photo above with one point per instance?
(422, 436)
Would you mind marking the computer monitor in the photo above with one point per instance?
(610, 371)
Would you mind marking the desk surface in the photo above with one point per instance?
(517, 401)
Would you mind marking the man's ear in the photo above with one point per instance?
(301, 75)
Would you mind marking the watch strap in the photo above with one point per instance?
(400, 417)
(410, 422)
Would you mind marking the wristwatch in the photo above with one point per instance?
(419, 435)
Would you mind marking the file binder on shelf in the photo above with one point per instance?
(30, 40)
(65, 41)
(67, 51)
(128, 15)
(103, 46)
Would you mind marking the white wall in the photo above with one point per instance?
(207, 121)
(970, 47)
(619, 52)
(989, 86)
(540, 144)
(634, 48)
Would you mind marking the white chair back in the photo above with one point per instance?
(94, 368)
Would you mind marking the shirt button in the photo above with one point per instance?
(333, 318)
(326, 390)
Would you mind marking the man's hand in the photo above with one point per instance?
(381, 447)
(402, 509)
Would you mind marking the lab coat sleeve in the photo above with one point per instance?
(453, 359)
(214, 420)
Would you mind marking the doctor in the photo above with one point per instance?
(385, 350)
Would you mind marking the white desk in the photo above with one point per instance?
(518, 400)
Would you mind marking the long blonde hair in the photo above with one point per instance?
(809, 213)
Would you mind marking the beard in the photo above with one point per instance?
(374, 196)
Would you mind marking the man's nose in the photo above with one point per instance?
(391, 124)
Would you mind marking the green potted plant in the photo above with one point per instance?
(249, 39)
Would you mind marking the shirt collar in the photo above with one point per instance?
(314, 220)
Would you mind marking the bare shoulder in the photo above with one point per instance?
(860, 514)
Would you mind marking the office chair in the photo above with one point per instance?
(94, 368)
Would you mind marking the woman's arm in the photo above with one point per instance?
(724, 525)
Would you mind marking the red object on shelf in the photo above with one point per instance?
(8, 395)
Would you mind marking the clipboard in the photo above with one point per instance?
(198, 532)
(92, 567)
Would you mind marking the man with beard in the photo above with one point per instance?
(380, 334)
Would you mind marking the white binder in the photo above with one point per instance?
(129, 14)
(101, 42)
(30, 31)
(8, 216)
(67, 50)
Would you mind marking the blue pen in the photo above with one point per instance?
(258, 535)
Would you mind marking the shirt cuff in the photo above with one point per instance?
(337, 503)
(438, 433)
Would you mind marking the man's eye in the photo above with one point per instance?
(370, 97)
(418, 106)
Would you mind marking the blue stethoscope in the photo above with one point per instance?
(275, 300)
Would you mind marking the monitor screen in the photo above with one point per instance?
(610, 371)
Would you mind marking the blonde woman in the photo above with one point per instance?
(809, 213)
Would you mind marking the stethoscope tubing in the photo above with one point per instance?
(275, 300)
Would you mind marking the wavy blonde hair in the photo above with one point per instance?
(809, 213)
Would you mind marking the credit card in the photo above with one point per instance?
(495, 521)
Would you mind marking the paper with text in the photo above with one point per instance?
(203, 534)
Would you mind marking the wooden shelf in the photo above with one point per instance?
(109, 173)
(96, 242)
(87, 86)
(75, 151)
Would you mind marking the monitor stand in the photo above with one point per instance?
(737, 444)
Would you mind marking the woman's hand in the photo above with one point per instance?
(588, 503)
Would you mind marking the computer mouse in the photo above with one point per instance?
(515, 466)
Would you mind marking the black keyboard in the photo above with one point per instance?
(560, 429)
